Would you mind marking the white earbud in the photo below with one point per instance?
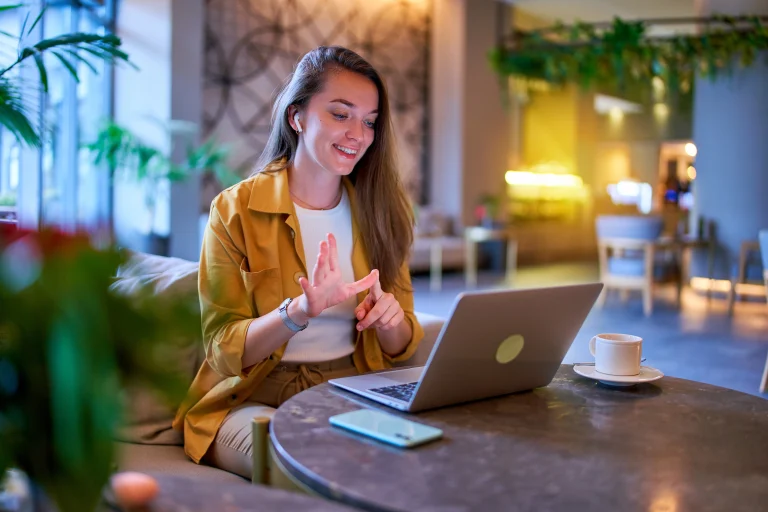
(296, 120)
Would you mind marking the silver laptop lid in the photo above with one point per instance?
(499, 342)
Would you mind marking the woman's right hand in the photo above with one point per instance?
(328, 287)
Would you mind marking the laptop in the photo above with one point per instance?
(494, 343)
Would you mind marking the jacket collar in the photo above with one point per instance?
(270, 193)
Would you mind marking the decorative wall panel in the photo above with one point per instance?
(252, 46)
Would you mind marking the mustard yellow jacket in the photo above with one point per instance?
(251, 260)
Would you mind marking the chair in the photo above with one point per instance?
(763, 239)
(628, 250)
(746, 262)
(267, 468)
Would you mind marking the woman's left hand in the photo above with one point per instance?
(379, 310)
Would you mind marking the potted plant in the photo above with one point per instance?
(130, 157)
(487, 210)
(68, 346)
(67, 342)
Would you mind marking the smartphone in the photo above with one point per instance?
(386, 427)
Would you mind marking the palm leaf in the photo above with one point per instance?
(14, 116)
(41, 69)
(104, 47)
(107, 53)
(70, 50)
(78, 38)
(68, 65)
(76, 56)
(24, 25)
(37, 20)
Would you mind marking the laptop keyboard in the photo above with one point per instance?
(402, 392)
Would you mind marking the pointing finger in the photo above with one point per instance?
(376, 289)
(364, 283)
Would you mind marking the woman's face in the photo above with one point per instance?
(338, 122)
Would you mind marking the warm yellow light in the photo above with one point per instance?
(661, 110)
(702, 284)
(691, 172)
(616, 114)
(658, 88)
(537, 179)
(690, 149)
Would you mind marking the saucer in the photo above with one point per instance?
(647, 374)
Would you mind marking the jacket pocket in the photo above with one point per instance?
(263, 287)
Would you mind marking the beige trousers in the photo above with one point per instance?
(232, 447)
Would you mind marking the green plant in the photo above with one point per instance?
(491, 202)
(68, 344)
(8, 200)
(129, 156)
(623, 54)
(69, 49)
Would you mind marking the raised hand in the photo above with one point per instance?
(328, 287)
(379, 310)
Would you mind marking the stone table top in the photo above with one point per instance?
(674, 445)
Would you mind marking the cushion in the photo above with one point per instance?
(637, 227)
(168, 460)
(430, 222)
(635, 267)
(147, 417)
(453, 253)
(159, 274)
(432, 326)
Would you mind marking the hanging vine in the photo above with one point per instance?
(623, 53)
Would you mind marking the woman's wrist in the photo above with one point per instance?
(394, 341)
(296, 313)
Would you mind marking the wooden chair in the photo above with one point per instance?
(627, 250)
(747, 249)
(763, 238)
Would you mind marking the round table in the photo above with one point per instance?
(188, 495)
(670, 446)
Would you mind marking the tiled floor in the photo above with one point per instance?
(698, 342)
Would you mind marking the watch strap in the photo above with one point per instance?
(283, 310)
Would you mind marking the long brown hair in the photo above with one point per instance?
(384, 212)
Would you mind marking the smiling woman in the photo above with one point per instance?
(303, 272)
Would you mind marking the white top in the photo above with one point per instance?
(331, 334)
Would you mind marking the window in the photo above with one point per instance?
(9, 148)
(58, 183)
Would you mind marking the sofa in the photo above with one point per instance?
(432, 225)
(145, 441)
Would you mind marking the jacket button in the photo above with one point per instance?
(293, 234)
(297, 276)
(233, 398)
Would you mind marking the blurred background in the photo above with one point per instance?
(521, 124)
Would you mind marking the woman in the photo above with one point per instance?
(326, 198)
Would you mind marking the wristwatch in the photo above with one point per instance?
(283, 310)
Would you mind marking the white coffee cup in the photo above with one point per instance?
(617, 354)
